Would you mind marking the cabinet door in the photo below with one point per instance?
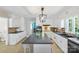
(12, 39)
(61, 42)
(14, 22)
(64, 44)
(42, 48)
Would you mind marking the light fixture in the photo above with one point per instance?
(42, 16)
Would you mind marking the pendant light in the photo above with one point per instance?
(42, 16)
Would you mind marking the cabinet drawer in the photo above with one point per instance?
(61, 42)
(42, 48)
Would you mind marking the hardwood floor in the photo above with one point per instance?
(56, 49)
(10, 49)
(19, 49)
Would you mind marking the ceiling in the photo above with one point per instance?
(31, 10)
(49, 10)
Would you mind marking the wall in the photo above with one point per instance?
(4, 25)
(4, 29)
(48, 21)
(28, 21)
(53, 22)
(64, 14)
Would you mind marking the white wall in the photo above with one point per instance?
(56, 23)
(38, 23)
(4, 29)
(65, 13)
(28, 21)
(53, 22)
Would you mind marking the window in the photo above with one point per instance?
(76, 26)
(70, 25)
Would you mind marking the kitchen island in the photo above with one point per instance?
(38, 44)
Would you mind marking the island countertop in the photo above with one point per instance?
(33, 39)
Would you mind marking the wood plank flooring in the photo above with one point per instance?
(19, 49)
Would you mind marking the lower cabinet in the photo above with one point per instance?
(37, 48)
(59, 40)
(15, 38)
(42, 48)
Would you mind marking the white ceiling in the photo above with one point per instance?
(49, 10)
(16, 10)
(31, 10)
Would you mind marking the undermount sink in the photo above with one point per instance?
(70, 35)
(67, 35)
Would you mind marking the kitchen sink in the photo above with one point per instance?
(66, 35)
(70, 36)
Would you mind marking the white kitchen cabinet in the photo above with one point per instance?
(42, 48)
(14, 22)
(61, 42)
(16, 37)
(37, 48)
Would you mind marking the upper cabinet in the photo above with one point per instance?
(14, 22)
(18, 22)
